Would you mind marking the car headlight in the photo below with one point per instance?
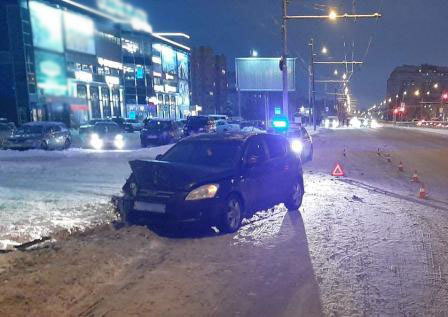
(119, 141)
(297, 146)
(203, 192)
(96, 142)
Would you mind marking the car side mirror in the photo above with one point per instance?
(159, 157)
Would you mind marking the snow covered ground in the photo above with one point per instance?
(43, 192)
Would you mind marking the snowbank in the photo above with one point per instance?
(42, 192)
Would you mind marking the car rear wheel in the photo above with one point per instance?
(296, 197)
(233, 215)
(44, 145)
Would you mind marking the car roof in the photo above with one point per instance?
(229, 136)
(43, 123)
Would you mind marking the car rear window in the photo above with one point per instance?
(276, 146)
(222, 154)
(195, 122)
(155, 125)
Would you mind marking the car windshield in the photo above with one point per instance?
(102, 128)
(155, 125)
(207, 153)
(30, 129)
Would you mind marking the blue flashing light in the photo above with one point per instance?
(279, 124)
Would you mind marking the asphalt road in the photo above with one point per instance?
(363, 245)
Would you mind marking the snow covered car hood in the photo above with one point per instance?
(170, 176)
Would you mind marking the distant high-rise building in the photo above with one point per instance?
(419, 89)
(209, 80)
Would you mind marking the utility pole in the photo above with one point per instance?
(313, 87)
(331, 16)
(285, 59)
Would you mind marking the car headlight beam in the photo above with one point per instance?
(119, 141)
(297, 146)
(203, 192)
(96, 142)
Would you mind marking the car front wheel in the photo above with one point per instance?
(233, 215)
(67, 144)
(296, 197)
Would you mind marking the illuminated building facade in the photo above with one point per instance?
(67, 62)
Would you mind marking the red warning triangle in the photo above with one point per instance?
(338, 171)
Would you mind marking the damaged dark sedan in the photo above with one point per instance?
(214, 178)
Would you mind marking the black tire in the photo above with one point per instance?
(232, 216)
(294, 201)
(67, 144)
(44, 146)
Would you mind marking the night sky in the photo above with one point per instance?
(410, 32)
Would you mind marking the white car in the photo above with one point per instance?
(224, 126)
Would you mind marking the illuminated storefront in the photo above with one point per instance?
(84, 64)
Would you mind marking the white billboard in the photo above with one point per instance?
(79, 33)
(263, 74)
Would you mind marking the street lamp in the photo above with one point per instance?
(405, 93)
(333, 15)
(335, 72)
(324, 50)
(344, 76)
(417, 93)
(436, 85)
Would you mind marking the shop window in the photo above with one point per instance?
(95, 102)
(81, 91)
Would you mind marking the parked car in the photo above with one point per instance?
(216, 117)
(43, 135)
(301, 143)
(136, 125)
(216, 179)
(105, 135)
(6, 131)
(160, 131)
(199, 124)
(331, 122)
(225, 126)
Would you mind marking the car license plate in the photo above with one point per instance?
(149, 207)
(151, 137)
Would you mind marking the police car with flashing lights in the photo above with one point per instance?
(300, 141)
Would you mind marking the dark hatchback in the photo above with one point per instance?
(160, 132)
(215, 178)
(199, 124)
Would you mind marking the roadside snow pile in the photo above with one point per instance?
(43, 192)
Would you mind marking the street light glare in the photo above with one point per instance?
(335, 72)
(324, 50)
(436, 85)
(417, 93)
(333, 15)
(344, 76)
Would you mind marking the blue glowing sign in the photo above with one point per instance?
(277, 110)
(139, 72)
